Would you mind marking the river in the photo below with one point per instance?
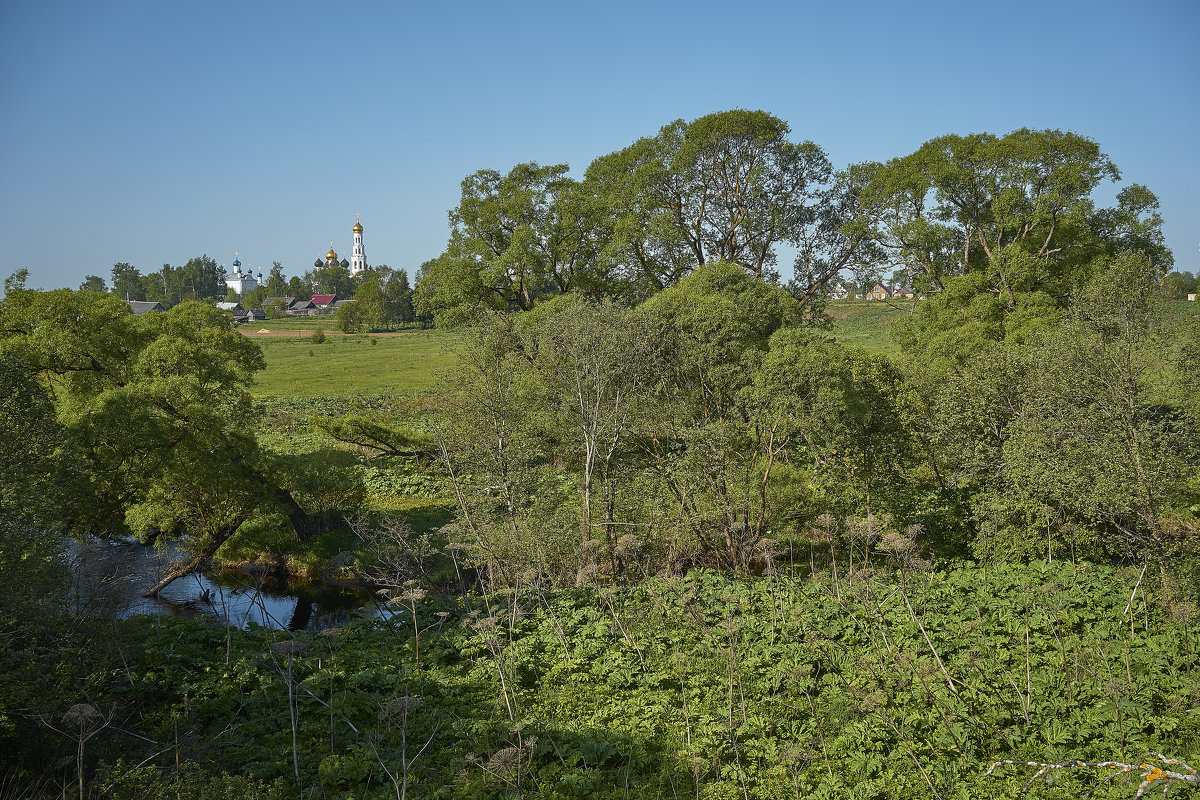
(110, 576)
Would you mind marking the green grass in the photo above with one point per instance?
(344, 366)
(410, 363)
(864, 323)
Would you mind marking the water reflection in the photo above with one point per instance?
(110, 576)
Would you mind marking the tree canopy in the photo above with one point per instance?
(725, 187)
(1000, 231)
(151, 406)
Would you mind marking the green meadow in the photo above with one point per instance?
(864, 323)
(346, 365)
(410, 362)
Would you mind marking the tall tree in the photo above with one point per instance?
(276, 284)
(331, 279)
(1000, 231)
(397, 295)
(727, 186)
(590, 360)
(1120, 462)
(713, 331)
(514, 238)
(150, 405)
(298, 289)
(93, 283)
(199, 279)
(127, 282)
(369, 302)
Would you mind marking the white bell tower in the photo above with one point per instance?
(358, 258)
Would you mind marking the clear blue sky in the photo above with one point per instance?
(154, 132)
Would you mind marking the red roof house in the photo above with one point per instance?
(323, 300)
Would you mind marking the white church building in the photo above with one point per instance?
(241, 282)
(358, 257)
(244, 281)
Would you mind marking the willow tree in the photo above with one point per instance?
(150, 407)
(514, 238)
(999, 231)
(729, 186)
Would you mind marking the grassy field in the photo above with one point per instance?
(864, 323)
(401, 363)
(409, 362)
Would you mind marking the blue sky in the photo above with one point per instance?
(154, 132)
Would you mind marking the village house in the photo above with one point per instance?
(140, 307)
(324, 300)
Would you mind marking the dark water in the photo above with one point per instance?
(110, 577)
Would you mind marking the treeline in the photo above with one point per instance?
(659, 399)
(1016, 210)
(385, 292)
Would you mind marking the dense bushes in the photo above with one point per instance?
(710, 426)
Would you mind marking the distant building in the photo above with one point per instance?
(838, 290)
(240, 282)
(878, 292)
(324, 300)
(140, 307)
(1192, 297)
(358, 258)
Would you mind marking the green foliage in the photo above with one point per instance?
(38, 466)
(703, 426)
(370, 304)
(349, 319)
(151, 406)
(724, 187)
(900, 684)
(998, 231)
(276, 285)
(93, 283)
(328, 279)
(1079, 441)
(318, 335)
(127, 282)
(1178, 285)
(324, 482)
(513, 238)
(298, 288)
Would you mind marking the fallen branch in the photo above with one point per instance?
(1150, 772)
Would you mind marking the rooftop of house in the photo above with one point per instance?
(140, 307)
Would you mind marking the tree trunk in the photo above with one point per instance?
(192, 563)
(301, 524)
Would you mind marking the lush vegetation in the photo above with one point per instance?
(649, 522)
(859, 683)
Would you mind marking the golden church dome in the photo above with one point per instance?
(357, 226)
(331, 256)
